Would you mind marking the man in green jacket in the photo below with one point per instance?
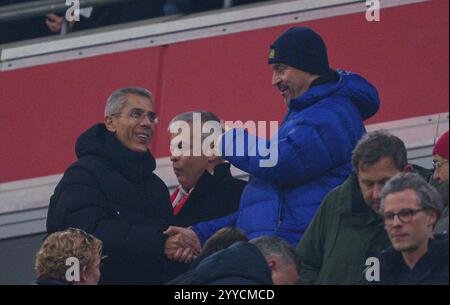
(348, 229)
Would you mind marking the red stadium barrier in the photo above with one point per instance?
(45, 108)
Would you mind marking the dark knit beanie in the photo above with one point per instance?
(300, 48)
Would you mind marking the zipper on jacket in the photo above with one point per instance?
(280, 212)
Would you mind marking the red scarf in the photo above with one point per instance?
(177, 209)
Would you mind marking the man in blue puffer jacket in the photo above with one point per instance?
(314, 143)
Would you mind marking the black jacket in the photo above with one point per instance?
(240, 264)
(214, 196)
(112, 193)
(431, 269)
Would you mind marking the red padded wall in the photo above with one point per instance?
(45, 108)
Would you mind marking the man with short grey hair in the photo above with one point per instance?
(206, 190)
(280, 257)
(265, 260)
(112, 193)
(411, 208)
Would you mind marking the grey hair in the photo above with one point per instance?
(376, 145)
(118, 99)
(275, 246)
(188, 117)
(428, 197)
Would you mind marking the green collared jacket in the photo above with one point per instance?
(344, 233)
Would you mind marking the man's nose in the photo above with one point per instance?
(174, 158)
(436, 175)
(377, 191)
(146, 121)
(396, 221)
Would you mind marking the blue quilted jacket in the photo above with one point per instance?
(315, 143)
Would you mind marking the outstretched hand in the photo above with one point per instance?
(182, 244)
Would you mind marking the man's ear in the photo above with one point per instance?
(110, 124)
(408, 168)
(271, 263)
(432, 217)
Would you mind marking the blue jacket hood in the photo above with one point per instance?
(363, 94)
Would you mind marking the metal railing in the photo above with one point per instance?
(42, 7)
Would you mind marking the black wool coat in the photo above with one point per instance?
(214, 196)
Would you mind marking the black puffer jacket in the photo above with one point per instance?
(112, 193)
(240, 264)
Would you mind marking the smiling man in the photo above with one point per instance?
(411, 208)
(112, 192)
(324, 122)
(206, 190)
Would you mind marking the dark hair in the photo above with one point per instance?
(222, 239)
(376, 145)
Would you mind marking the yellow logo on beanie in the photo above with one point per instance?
(272, 54)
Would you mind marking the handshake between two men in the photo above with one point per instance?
(182, 244)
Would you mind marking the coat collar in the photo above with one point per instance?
(207, 180)
(98, 141)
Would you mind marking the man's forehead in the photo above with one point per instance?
(438, 158)
(138, 101)
(279, 66)
(181, 136)
(373, 175)
(384, 167)
(403, 199)
(377, 176)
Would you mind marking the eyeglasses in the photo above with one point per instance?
(437, 164)
(139, 114)
(405, 216)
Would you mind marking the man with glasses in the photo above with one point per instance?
(348, 228)
(440, 178)
(440, 159)
(112, 192)
(309, 155)
(411, 208)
